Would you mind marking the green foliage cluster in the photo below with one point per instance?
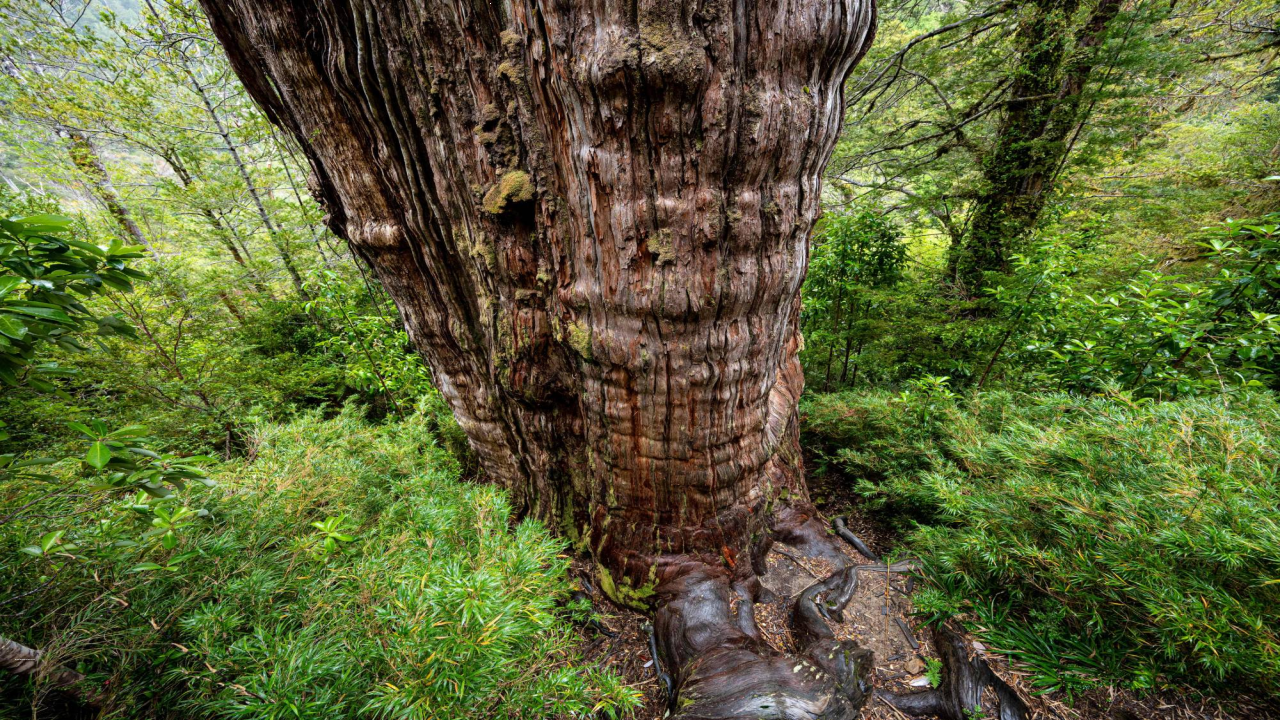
(341, 571)
(1092, 538)
(45, 275)
(370, 340)
(117, 467)
(854, 264)
(1159, 333)
(1079, 312)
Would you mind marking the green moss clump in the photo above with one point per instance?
(670, 50)
(660, 245)
(580, 339)
(514, 187)
(622, 592)
(511, 72)
(480, 249)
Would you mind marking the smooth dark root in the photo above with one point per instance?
(722, 668)
(965, 676)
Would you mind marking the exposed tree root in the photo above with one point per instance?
(22, 660)
(706, 631)
(964, 678)
(668, 685)
(844, 532)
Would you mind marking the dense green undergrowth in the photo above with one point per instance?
(1094, 539)
(343, 571)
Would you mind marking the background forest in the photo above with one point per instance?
(1041, 332)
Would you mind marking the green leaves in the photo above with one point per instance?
(98, 456)
(44, 274)
(12, 328)
(1093, 539)
(856, 260)
(50, 543)
(331, 533)
(8, 283)
(1160, 334)
(121, 466)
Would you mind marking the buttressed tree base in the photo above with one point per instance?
(594, 218)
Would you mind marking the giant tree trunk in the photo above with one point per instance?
(594, 218)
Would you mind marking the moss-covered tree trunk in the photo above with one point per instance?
(1047, 102)
(594, 219)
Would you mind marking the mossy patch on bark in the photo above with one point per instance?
(580, 339)
(623, 593)
(666, 47)
(511, 72)
(514, 187)
(660, 245)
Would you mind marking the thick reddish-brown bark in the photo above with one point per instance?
(594, 217)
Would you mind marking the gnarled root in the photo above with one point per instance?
(964, 678)
(842, 529)
(706, 632)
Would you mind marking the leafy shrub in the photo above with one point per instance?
(46, 271)
(855, 258)
(372, 344)
(1155, 333)
(343, 572)
(1093, 538)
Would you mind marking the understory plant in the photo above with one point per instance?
(342, 571)
(1094, 539)
(1161, 331)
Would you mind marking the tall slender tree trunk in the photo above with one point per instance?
(1033, 139)
(594, 218)
(85, 157)
(273, 234)
(230, 305)
(220, 230)
(286, 258)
